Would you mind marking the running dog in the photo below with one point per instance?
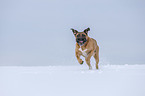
(86, 47)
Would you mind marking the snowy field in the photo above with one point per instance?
(110, 80)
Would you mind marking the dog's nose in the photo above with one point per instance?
(81, 39)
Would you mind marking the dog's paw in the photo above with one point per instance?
(82, 62)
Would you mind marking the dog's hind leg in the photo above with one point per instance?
(97, 60)
(96, 56)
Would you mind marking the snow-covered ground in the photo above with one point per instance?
(110, 80)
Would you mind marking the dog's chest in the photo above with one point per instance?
(84, 53)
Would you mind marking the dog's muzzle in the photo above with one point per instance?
(81, 41)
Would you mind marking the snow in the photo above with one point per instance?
(109, 80)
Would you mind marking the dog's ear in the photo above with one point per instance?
(74, 31)
(86, 30)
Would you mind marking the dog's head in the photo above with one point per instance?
(81, 37)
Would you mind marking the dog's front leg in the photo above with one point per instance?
(78, 54)
(90, 53)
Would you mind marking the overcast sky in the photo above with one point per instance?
(37, 32)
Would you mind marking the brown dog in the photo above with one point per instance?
(86, 46)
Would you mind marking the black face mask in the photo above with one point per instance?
(81, 40)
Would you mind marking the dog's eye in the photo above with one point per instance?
(83, 35)
(78, 35)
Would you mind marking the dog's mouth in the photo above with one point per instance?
(81, 41)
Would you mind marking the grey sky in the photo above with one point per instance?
(37, 32)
